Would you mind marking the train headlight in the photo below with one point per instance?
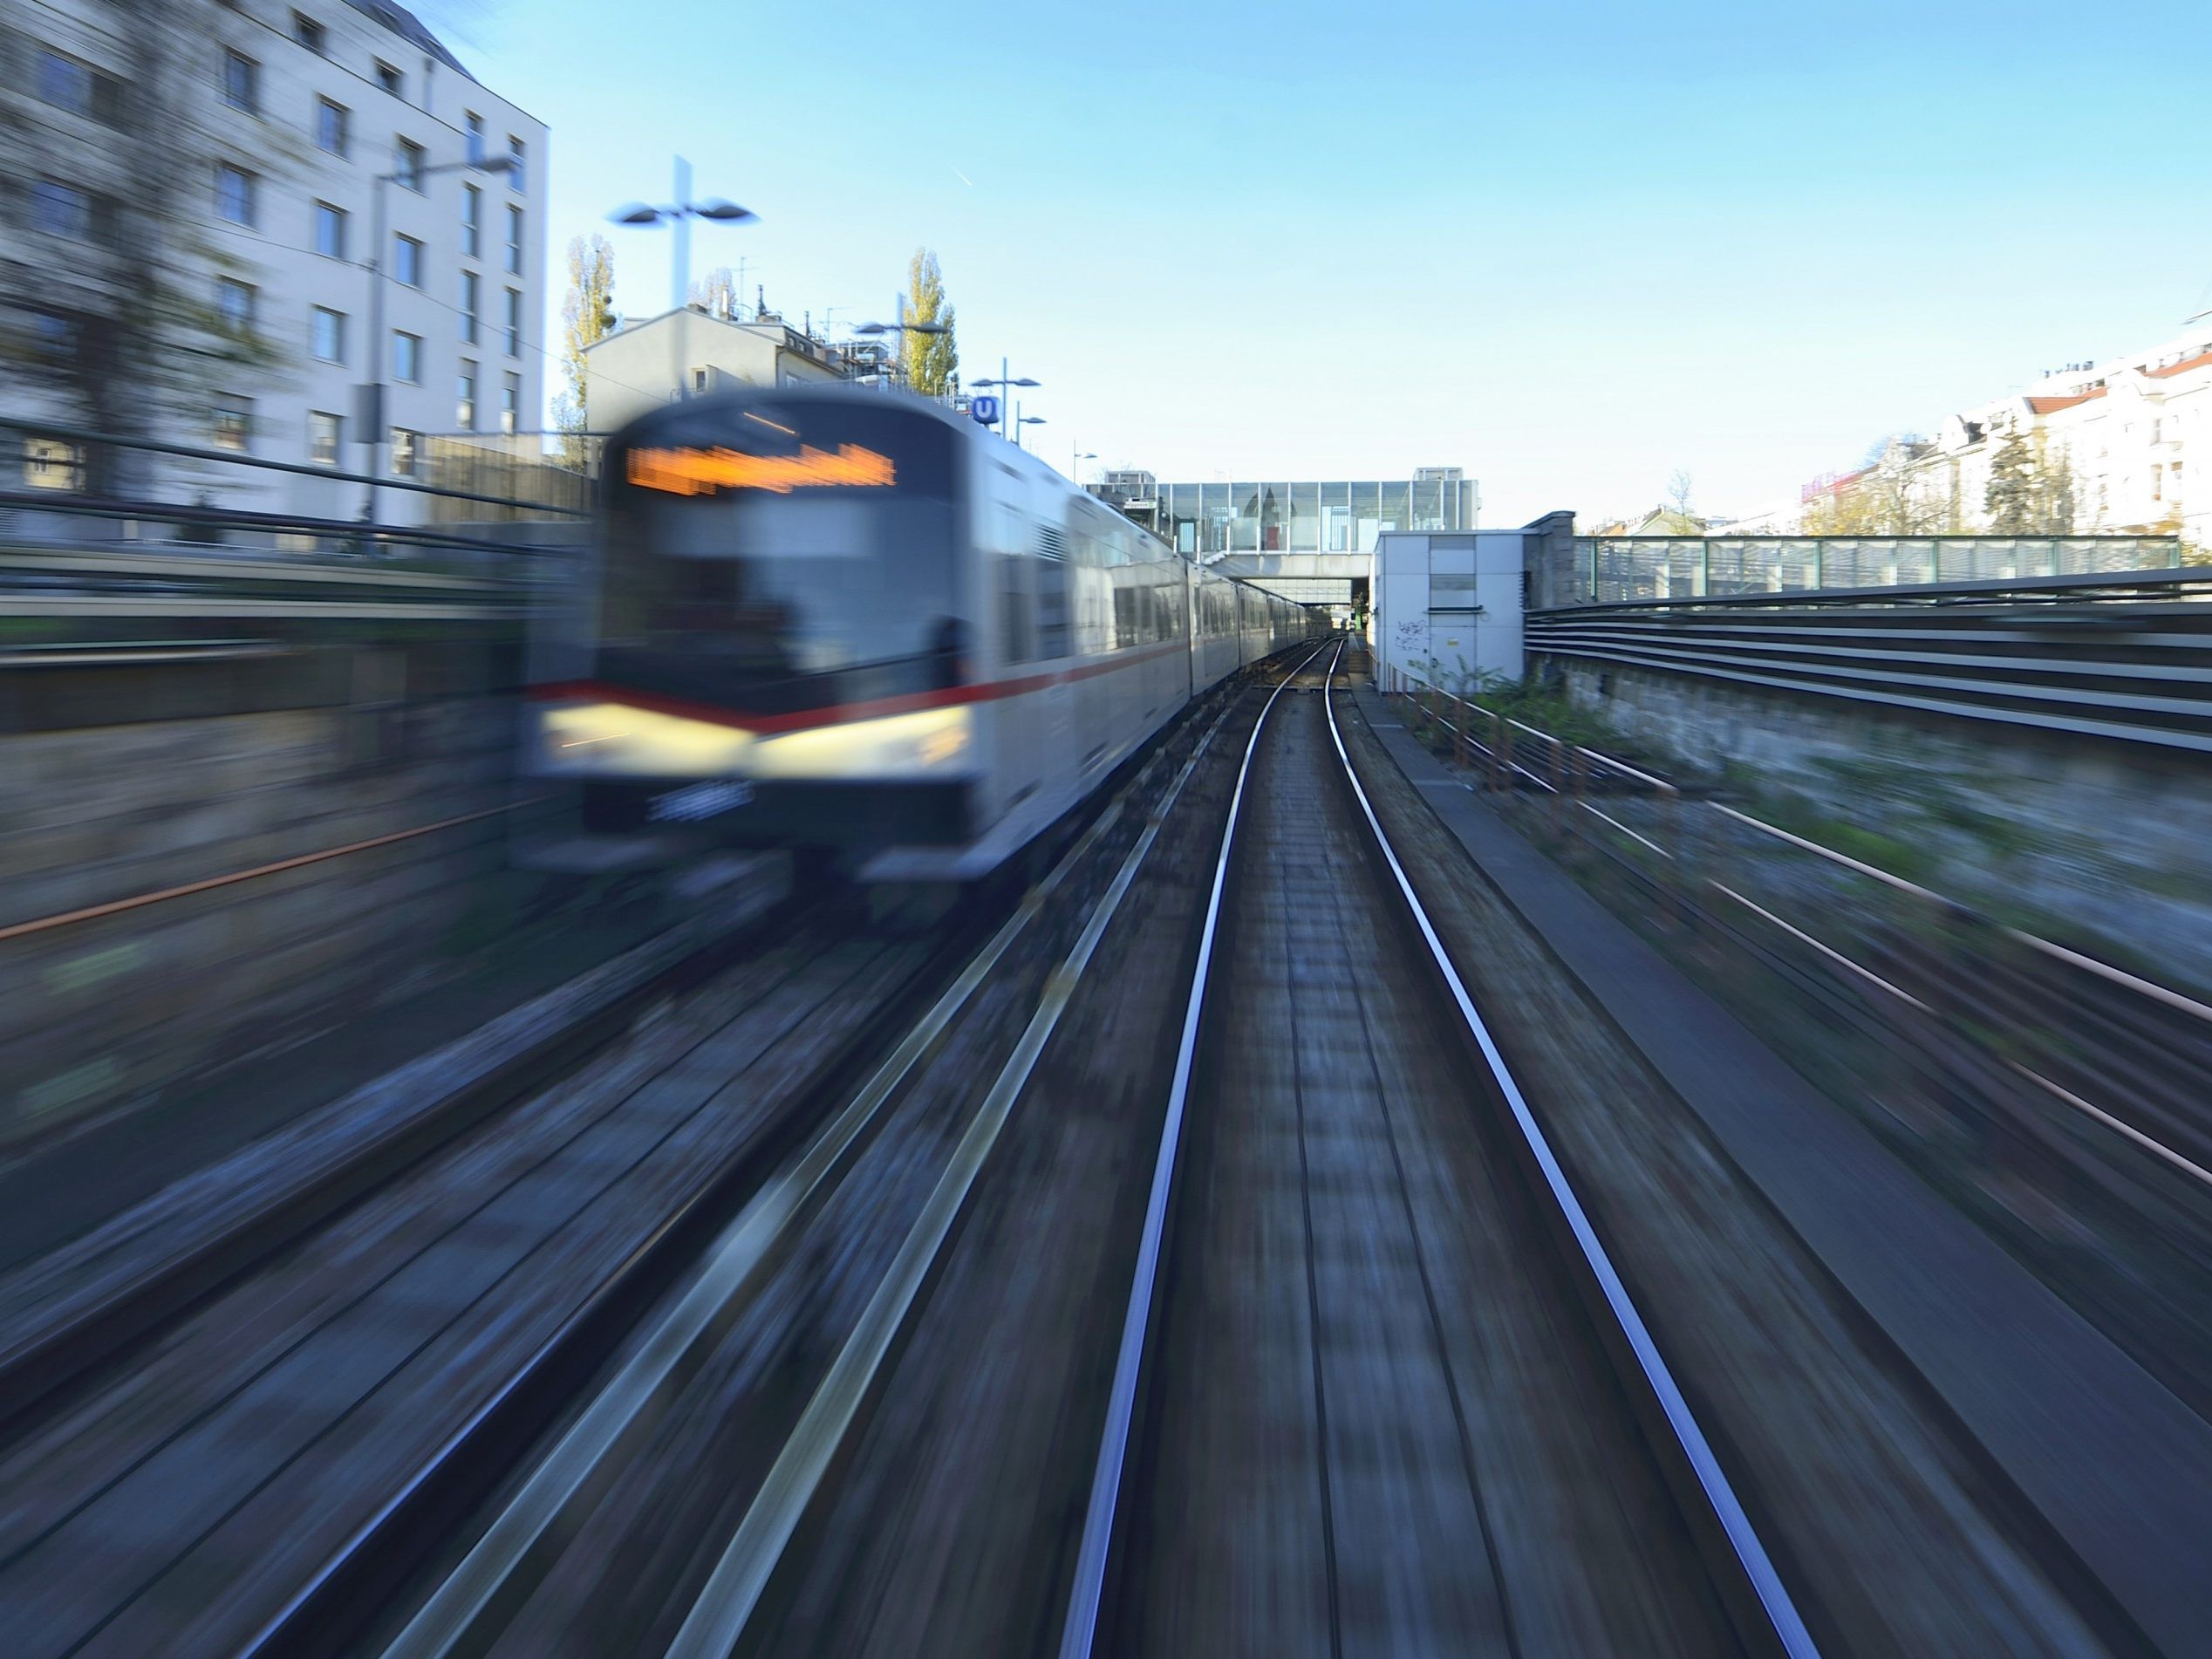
(611, 738)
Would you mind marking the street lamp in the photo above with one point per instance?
(1002, 383)
(680, 214)
(1021, 421)
(1075, 462)
(372, 414)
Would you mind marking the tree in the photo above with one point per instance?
(717, 292)
(587, 315)
(1902, 489)
(931, 361)
(1678, 490)
(2031, 492)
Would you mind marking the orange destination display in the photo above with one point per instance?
(702, 472)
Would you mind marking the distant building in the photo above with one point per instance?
(1211, 518)
(697, 351)
(223, 158)
(2109, 447)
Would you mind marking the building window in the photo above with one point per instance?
(48, 463)
(307, 33)
(329, 230)
(515, 153)
(64, 83)
(469, 324)
(240, 82)
(61, 210)
(406, 261)
(391, 80)
(510, 403)
(324, 432)
(465, 403)
(404, 446)
(330, 125)
(234, 304)
(515, 239)
(78, 87)
(54, 338)
(475, 136)
(407, 358)
(234, 193)
(234, 423)
(513, 323)
(327, 335)
(471, 221)
(407, 163)
(2158, 483)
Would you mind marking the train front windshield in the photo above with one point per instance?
(782, 562)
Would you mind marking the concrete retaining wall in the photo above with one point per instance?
(338, 743)
(2100, 843)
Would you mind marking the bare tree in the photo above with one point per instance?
(1679, 489)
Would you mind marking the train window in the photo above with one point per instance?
(1017, 632)
(1052, 608)
(1125, 618)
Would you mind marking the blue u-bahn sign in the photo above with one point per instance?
(985, 410)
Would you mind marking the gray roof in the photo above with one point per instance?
(405, 23)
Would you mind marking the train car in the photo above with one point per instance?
(834, 618)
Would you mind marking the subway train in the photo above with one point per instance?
(859, 625)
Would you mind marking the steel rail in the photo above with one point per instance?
(1787, 1626)
(733, 1590)
(1079, 1630)
(138, 901)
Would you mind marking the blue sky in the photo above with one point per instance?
(1570, 246)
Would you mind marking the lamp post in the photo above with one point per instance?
(371, 415)
(1075, 462)
(1003, 384)
(679, 213)
(1021, 421)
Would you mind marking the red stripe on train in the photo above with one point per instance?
(989, 690)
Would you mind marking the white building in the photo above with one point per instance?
(253, 204)
(694, 351)
(2119, 433)
(1447, 608)
(2125, 428)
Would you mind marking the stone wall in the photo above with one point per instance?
(2105, 845)
(127, 782)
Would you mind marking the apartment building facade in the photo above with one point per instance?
(235, 218)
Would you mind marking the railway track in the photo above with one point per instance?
(677, 1486)
(763, 1469)
(736, 1438)
(1409, 1392)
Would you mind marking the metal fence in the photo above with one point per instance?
(1597, 569)
(2125, 657)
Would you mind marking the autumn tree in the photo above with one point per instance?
(931, 361)
(587, 315)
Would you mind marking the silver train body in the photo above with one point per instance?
(825, 618)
